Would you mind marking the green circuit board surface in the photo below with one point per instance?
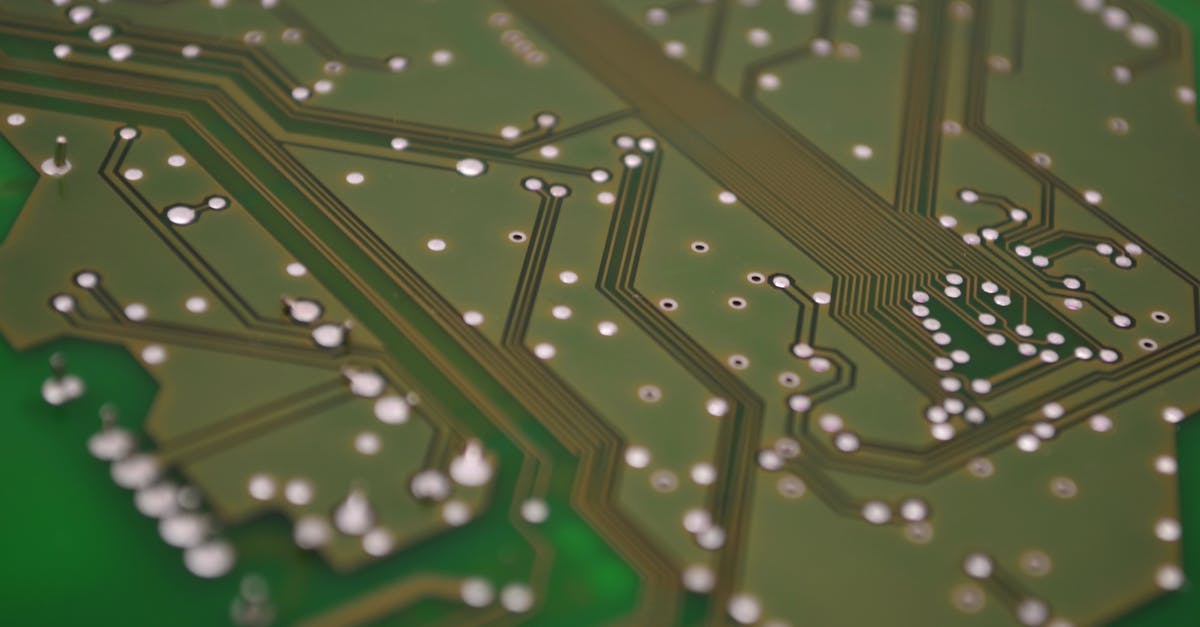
(599, 312)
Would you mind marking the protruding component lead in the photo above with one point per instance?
(61, 388)
(112, 442)
(331, 335)
(58, 164)
(472, 468)
(60, 152)
(364, 383)
(252, 607)
(354, 516)
(302, 310)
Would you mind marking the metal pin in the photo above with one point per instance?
(58, 164)
(58, 365)
(108, 416)
(60, 151)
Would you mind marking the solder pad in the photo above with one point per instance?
(574, 312)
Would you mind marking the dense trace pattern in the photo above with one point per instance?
(755, 312)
